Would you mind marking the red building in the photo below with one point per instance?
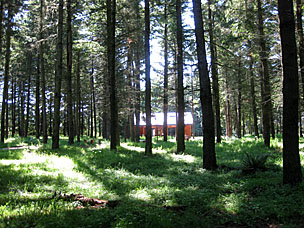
(157, 121)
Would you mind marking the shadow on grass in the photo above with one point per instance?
(167, 190)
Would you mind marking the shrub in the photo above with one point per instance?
(254, 162)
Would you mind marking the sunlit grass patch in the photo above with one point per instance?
(164, 190)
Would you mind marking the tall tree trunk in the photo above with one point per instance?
(37, 102)
(166, 75)
(41, 57)
(209, 158)
(130, 92)
(94, 105)
(266, 98)
(1, 25)
(21, 112)
(180, 78)
(14, 85)
(239, 101)
(137, 72)
(6, 71)
(58, 78)
(192, 102)
(300, 48)
(92, 101)
(252, 90)
(77, 127)
(214, 72)
(291, 159)
(69, 73)
(148, 148)
(111, 21)
(228, 109)
(51, 116)
(28, 101)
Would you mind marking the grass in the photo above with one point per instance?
(165, 190)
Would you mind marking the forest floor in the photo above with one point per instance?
(90, 186)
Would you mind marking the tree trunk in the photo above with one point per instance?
(214, 72)
(252, 89)
(21, 111)
(301, 49)
(239, 101)
(14, 85)
(111, 21)
(69, 73)
(166, 76)
(228, 109)
(291, 159)
(77, 127)
(209, 158)
(92, 101)
(37, 102)
(51, 116)
(6, 71)
(29, 72)
(180, 78)
(266, 98)
(58, 78)
(1, 25)
(137, 72)
(148, 148)
(94, 104)
(41, 57)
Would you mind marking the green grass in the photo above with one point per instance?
(165, 190)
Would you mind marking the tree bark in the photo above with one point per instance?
(148, 147)
(6, 71)
(29, 72)
(228, 109)
(239, 101)
(291, 159)
(209, 158)
(252, 90)
(69, 73)
(58, 78)
(77, 127)
(166, 75)
(266, 98)
(14, 85)
(43, 83)
(301, 51)
(180, 78)
(111, 21)
(214, 72)
(137, 72)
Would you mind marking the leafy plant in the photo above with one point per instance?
(254, 162)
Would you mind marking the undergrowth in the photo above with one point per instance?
(165, 190)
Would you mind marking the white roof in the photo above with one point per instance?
(157, 119)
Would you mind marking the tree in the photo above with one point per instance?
(265, 81)
(291, 159)
(209, 158)
(43, 80)
(69, 73)
(148, 147)
(77, 128)
(58, 78)
(111, 21)
(166, 74)
(180, 84)
(214, 72)
(6, 70)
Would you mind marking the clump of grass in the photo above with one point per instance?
(253, 162)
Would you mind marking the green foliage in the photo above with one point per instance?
(254, 162)
(165, 190)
